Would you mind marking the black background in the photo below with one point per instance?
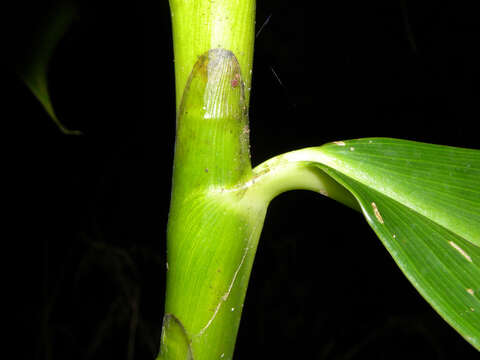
(86, 270)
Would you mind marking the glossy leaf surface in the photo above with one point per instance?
(423, 202)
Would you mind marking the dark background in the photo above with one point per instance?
(86, 268)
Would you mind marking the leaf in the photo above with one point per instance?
(33, 70)
(423, 202)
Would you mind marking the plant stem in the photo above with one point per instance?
(211, 240)
(218, 203)
(296, 170)
(201, 25)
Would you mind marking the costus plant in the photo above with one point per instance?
(422, 200)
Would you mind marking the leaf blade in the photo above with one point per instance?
(33, 70)
(441, 258)
(440, 182)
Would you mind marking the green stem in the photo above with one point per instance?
(296, 170)
(211, 240)
(218, 203)
(201, 25)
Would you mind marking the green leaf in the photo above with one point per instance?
(33, 70)
(423, 202)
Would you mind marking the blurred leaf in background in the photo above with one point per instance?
(47, 31)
